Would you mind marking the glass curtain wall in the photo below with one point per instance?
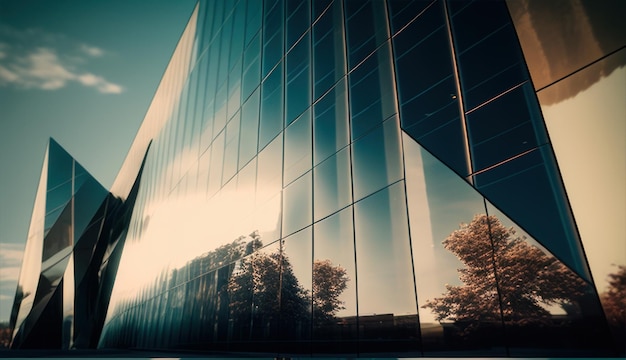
(350, 177)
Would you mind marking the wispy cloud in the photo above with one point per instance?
(32, 59)
(10, 262)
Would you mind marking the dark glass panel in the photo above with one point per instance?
(59, 236)
(319, 6)
(547, 308)
(254, 16)
(528, 190)
(86, 202)
(403, 11)
(60, 165)
(59, 196)
(332, 184)
(387, 309)
(237, 39)
(372, 92)
(264, 265)
(459, 310)
(296, 288)
(505, 127)
(298, 93)
(377, 159)
(429, 105)
(251, 77)
(298, 148)
(297, 204)
(329, 59)
(330, 126)
(249, 129)
(334, 307)
(298, 19)
(221, 108)
(366, 28)
(273, 33)
(272, 99)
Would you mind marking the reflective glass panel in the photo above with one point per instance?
(459, 314)
(529, 191)
(376, 159)
(215, 166)
(329, 58)
(272, 99)
(297, 204)
(387, 307)
(334, 284)
(251, 77)
(298, 92)
(298, 148)
(249, 129)
(296, 287)
(330, 126)
(270, 170)
(298, 20)
(231, 149)
(273, 32)
(545, 304)
(366, 28)
(372, 92)
(332, 184)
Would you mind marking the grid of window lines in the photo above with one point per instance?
(306, 103)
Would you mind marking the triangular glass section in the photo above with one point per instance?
(545, 305)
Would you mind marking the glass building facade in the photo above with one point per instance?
(356, 178)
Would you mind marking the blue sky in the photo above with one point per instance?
(84, 73)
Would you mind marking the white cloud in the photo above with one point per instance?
(36, 60)
(92, 50)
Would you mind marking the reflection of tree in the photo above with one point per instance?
(614, 300)
(264, 288)
(527, 277)
(329, 281)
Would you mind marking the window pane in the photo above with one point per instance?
(298, 20)
(334, 307)
(298, 148)
(330, 127)
(270, 170)
(298, 94)
(249, 129)
(231, 149)
(272, 34)
(271, 107)
(440, 206)
(387, 308)
(296, 287)
(297, 211)
(372, 92)
(251, 77)
(333, 185)
(328, 49)
(366, 28)
(376, 159)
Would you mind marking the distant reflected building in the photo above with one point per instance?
(363, 178)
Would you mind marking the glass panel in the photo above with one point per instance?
(387, 309)
(231, 149)
(506, 127)
(251, 77)
(332, 184)
(298, 148)
(60, 165)
(377, 159)
(298, 20)
(454, 318)
(329, 56)
(429, 105)
(269, 178)
(297, 204)
(298, 94)
(87, 201)
(296, 287)
(334, 285)
(366, 28)
(529, 191)
(254, 16)
(546, 306)
(271, 107)
(488, 53)
(273, 33)
(587, 134)
(401, 12)
(249, 129)
(264, 265)
(59, 196)
(372, 92)
(215, 167)
(330, 127)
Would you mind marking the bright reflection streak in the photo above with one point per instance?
(179, 230)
